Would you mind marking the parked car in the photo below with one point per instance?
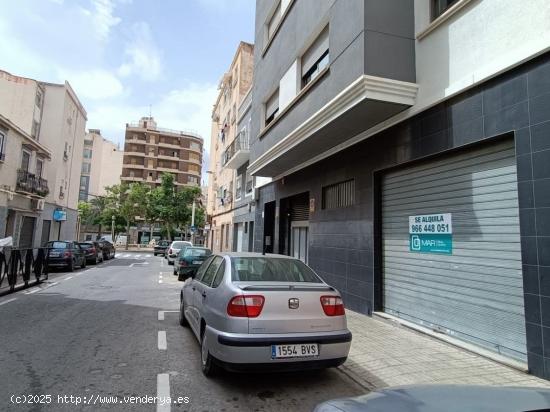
(266, 312)
(92, 251)
(448, 398)
(189, 260)
(65, 254)
(160, 247)
(108, 249)
(175, 248)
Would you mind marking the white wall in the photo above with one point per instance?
(481, 40)
(17, 100)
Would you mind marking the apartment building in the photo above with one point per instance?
(408, 146)
(62, 130)
(227, 152)
(150, 151)
(24, 160)
(101, 165)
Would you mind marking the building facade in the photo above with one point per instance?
(225, 143)
(101, 165)
(24, 160)
(63, 130)
(43, 130)
(417, 181)
(150, 151)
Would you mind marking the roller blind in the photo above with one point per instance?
(315, 51)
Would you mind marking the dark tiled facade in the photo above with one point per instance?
(343, 244)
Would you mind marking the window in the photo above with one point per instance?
(249, 184)
(86, 167)
(211, 271)
(2, 146)
(274, 21)
(193, 180)
(316, 58)
(339, 195)
(272, 107)
(84, 182)
(266, 269)
(226, 236)
(239, 187)
(193, 168)
(194, 156)
(88, 142)
(87, 154)
(441, 6)
(35, 128)
(203, 267)
(38, 99)
(195, 146)
(39, 167)
(219, 275)
(25, 161)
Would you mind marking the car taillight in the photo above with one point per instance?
(332, 305)
(246, 306)
(92, 250)
(183, 262)
(170, 250)
(68, 253)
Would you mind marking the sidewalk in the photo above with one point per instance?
(384, 353)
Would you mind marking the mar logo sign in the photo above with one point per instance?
(431, 233)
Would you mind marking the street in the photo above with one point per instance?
(112, 331)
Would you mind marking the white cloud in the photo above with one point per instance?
(94, 84)
(103, 18)
(143, 57)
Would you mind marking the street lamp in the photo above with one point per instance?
(113, 229)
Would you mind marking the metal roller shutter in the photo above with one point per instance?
(475, 293)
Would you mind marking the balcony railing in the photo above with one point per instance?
(192, 133)
(237, 152)
(30, 183)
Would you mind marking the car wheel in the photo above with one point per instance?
(183, 319)
(208, 367)
(70, 266)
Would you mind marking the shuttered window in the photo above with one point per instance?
(339, 195)
(272, 107)
(316, 58)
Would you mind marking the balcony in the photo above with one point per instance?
(161, 130)
(237, 153)
(170, 145)
(134, 153)
(29, 183)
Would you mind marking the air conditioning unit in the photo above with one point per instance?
(37, 204)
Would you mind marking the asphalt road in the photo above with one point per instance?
(95, 334)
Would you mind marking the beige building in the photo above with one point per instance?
(41, 137)
(233, 87)
(150, 151)
(101, 165)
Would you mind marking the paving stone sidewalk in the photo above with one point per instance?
(385, 353)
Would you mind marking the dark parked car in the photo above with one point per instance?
(108, 249)
(160, 247)
(189, 260)
(65, 254)
(92, 251)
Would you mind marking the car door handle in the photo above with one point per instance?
(203, 294)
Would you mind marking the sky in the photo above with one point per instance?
(127, 57)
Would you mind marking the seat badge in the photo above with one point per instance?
(293, 303)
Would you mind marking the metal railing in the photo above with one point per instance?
(30, 183)
(19, 265)
(192, 133)
(239, 143)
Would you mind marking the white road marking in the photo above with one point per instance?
(162, 312)
(7, 301)
(139, 264)
(126, 255)
(162, 262)
(137, 256)
(31, 291)
(68, 277)
(162, 340)
(52, 284)
(163, 392)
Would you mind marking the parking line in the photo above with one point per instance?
(163, 392)
(68, 277)
(162, 340)
(31, 291)
(7, 301)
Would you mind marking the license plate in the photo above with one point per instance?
(54, 254)
(301, 350)
(197, 262)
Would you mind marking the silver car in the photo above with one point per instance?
(266, 312)
(174, 249)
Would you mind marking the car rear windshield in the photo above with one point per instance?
(85, 245)
(197, 252)
(57, 245)
(179, 245)
(265, 269)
